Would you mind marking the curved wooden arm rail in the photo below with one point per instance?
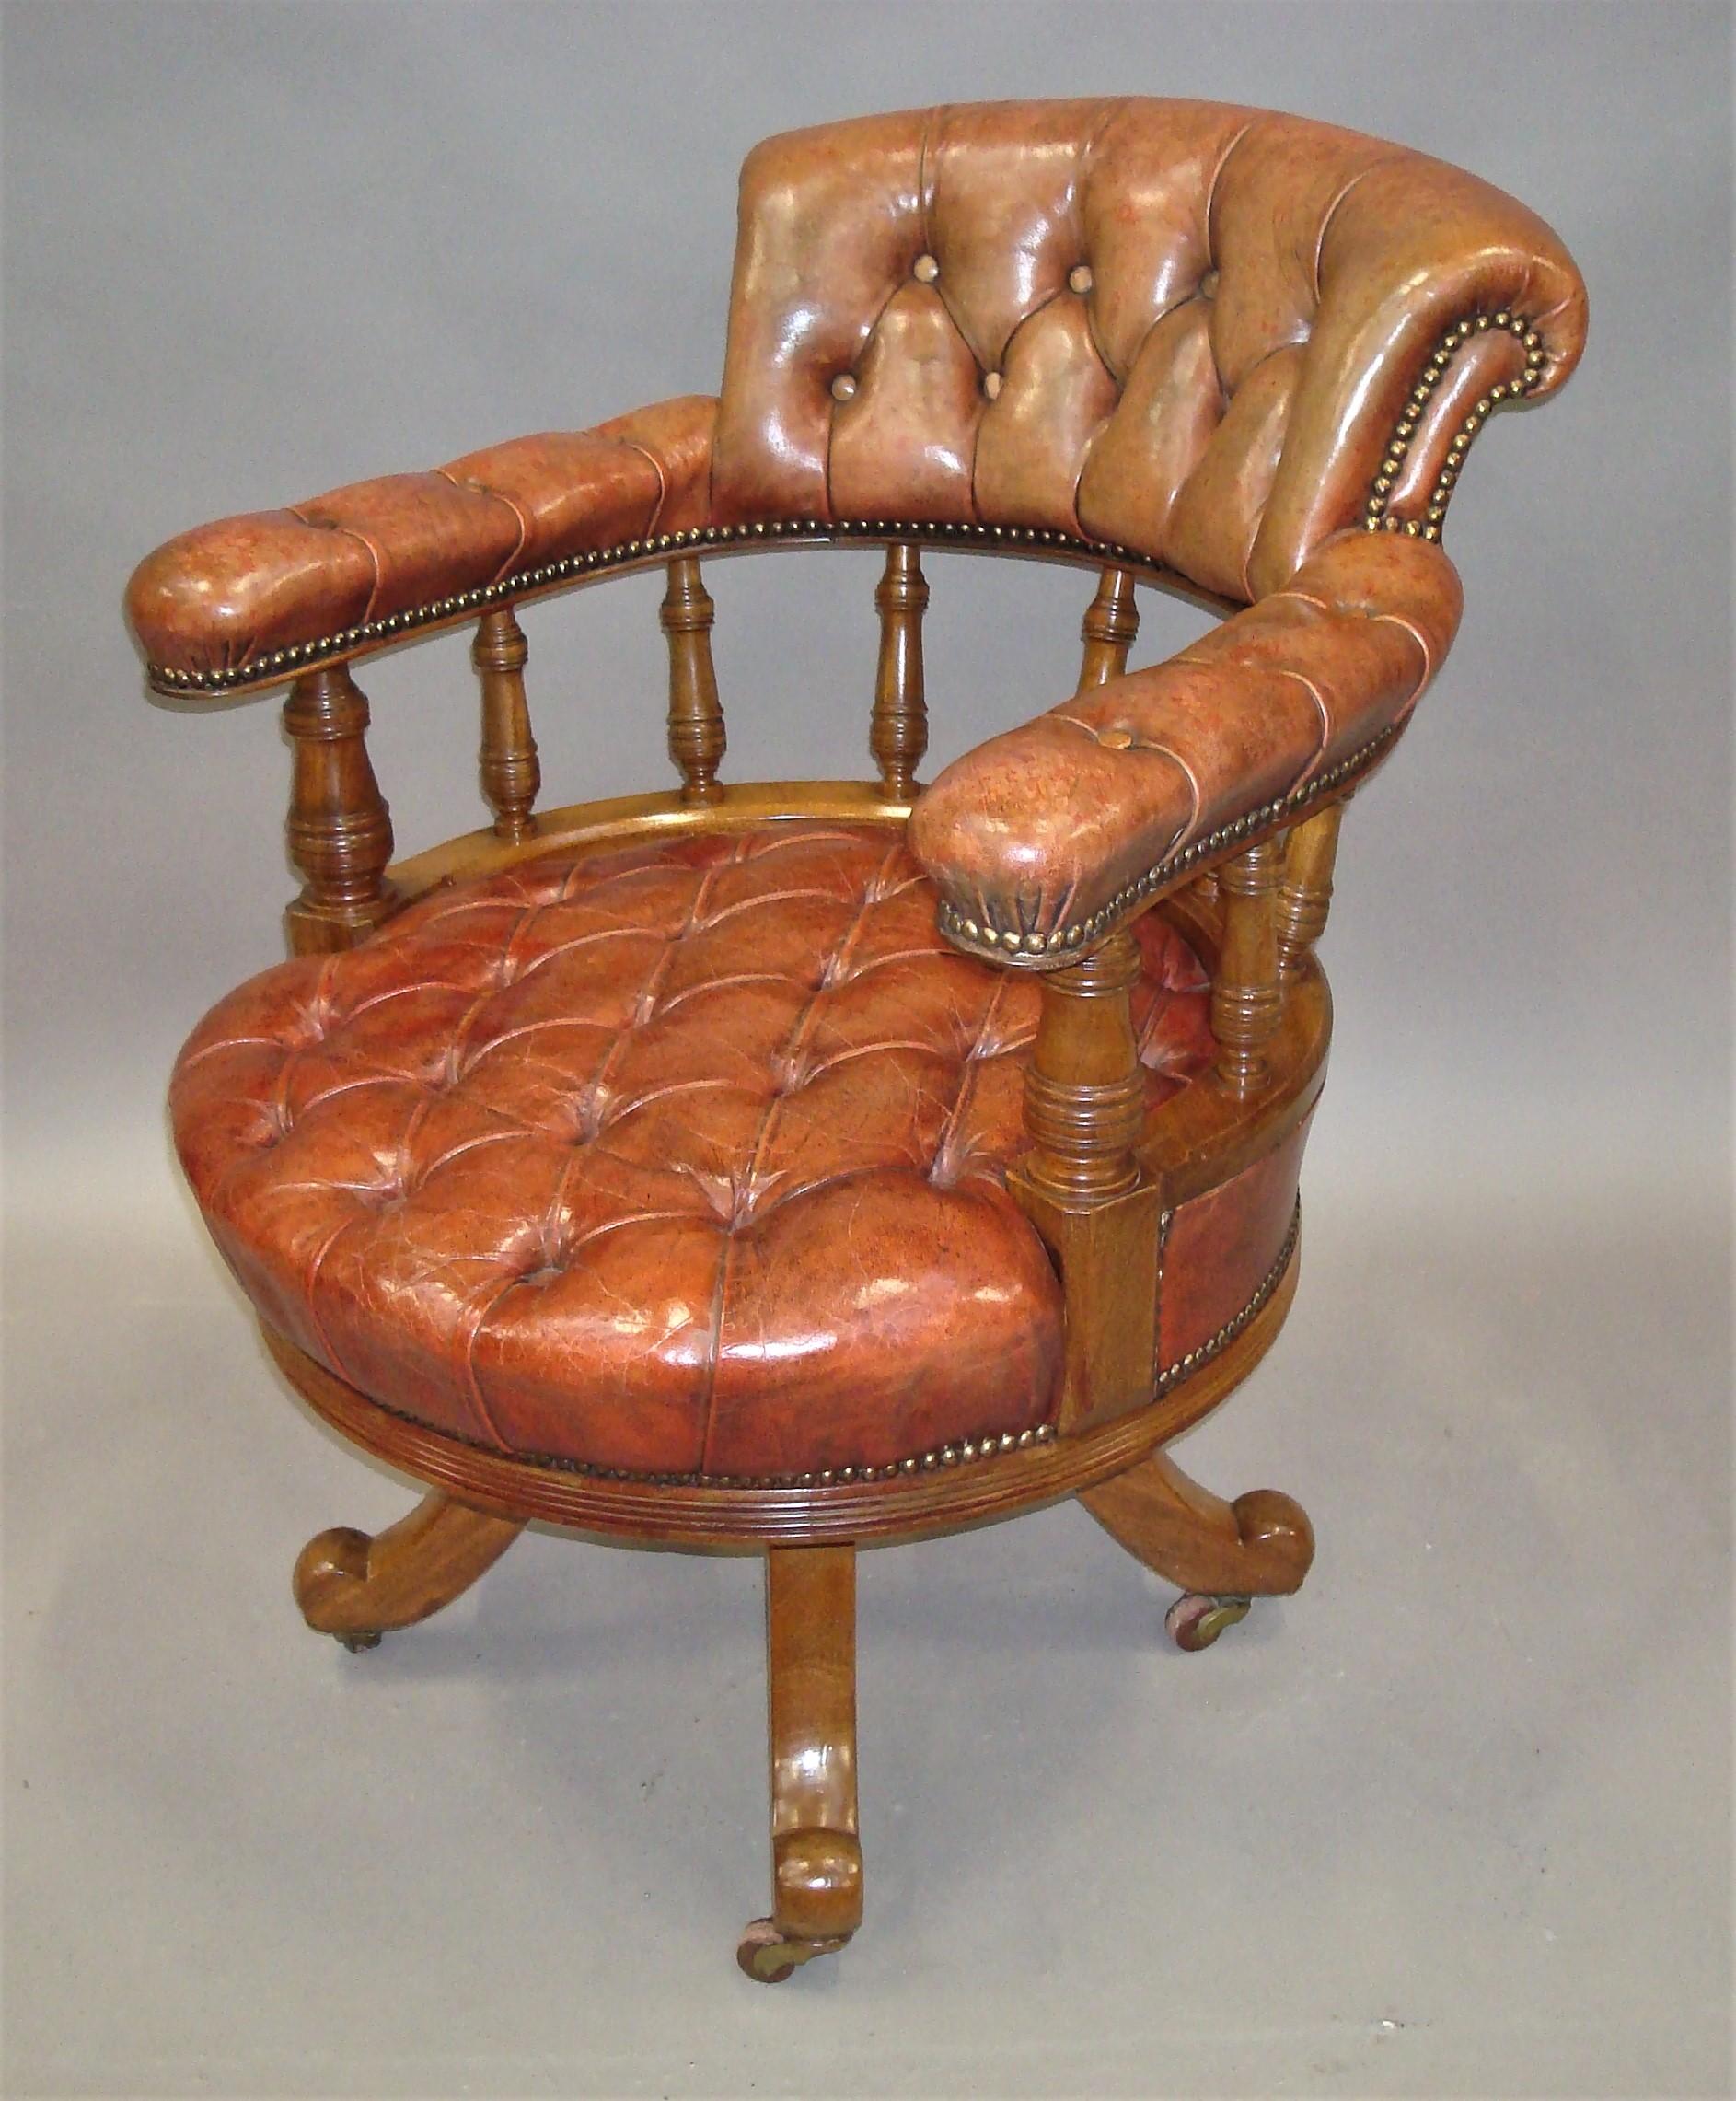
(796, 1167)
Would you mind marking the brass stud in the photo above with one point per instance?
(1115, 739)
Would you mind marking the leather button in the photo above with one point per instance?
(1209, 286)
(992, 384)
(1080, 278)
(1115, 739)
(925, 270)
(844, 386)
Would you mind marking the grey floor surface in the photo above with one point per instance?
(1454, 1821)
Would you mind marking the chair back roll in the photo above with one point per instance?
(1177, 327)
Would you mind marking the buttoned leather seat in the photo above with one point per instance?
(683, 1160)
(723, 1167)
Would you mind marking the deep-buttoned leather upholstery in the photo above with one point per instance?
(687, 1160)
(684, 1159)
(1035, 832)
(226, 595)
(1180, 327)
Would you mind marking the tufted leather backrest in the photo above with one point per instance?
(1179, 327)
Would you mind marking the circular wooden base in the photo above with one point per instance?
(720, 1516)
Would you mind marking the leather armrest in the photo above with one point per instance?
(247, 599)
(1039, 840)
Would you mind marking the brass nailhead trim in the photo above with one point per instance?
(300, 656)
(1013, 944)
(1184, 1367)
(1376, 516)
(942, 1455)
(964, 1450)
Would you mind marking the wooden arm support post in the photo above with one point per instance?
(511, 775)
(1082, 1185)
(1304, 897)
(696, 721)
(898, 734)
(1247, 997)
(338, 832)
(1109, 629)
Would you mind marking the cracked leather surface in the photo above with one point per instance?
(684, 1159)
(1182, 328)
(1037, 829)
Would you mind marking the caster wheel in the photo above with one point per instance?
(367, 1639)
(764, 1954)
(1195, 1622)
(768, 1957)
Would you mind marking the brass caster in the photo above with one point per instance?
(1195, 1622)
(767, 1956)
(365, 1638)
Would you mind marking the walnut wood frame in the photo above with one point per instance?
(1104, 1182)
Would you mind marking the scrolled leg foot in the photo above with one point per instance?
(1223, 1553)
(357, 1586)
(816, 1867)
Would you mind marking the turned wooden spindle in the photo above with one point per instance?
(1247, 1000)
(1084, 1097)
(898, 734)
(1109, 629)
(696, 721)
(1082, 1185)
(511, 775)
(339, 831)
(1304, 897)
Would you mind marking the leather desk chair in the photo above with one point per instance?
(798, 1167)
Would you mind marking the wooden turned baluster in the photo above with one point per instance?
(339, 831)
(1109, 629)
(1304, 897)
(696, 721)
(1081, 1185)
(898, 734)
(1247, 1000)
(511, 775)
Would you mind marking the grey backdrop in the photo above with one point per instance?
(1457, 1819)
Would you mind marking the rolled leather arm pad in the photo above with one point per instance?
(351, 569)
(1040, 839)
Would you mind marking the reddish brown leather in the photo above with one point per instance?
(1039, 828)
(683, 1160)
(1220, 1247)
(222, 596)
(1181, 327)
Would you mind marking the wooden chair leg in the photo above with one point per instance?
(815, 1852)
(1221, 1554)
(356, 1586)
